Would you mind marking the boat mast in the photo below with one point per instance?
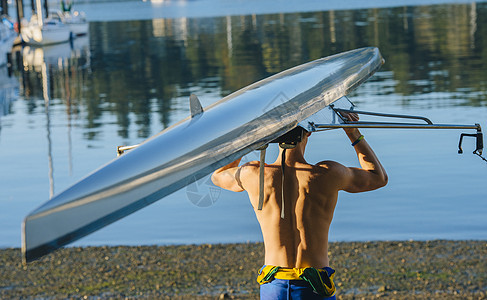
(39, 13)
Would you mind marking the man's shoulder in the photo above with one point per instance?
(251, 165)
(329, 164)
(331, 167)
(249, 168)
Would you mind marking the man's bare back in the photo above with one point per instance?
(300, 239)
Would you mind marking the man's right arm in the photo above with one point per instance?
(370, 176)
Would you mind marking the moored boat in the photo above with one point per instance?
(75, 20)
(40, 31)
(44, 32)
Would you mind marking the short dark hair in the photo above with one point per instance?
(291, 137)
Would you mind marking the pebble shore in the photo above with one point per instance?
(365, 270)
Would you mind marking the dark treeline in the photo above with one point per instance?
(136, 70)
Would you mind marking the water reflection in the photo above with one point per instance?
(141, 72)
(146, 67)
(55, 71)
(9, 88)
(127, 80)
(8, 92)
(67, 65)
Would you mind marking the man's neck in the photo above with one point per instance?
(294, 155)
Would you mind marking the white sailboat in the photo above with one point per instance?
(39, 31)
(76, 21)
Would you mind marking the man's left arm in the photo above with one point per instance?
(227, 177)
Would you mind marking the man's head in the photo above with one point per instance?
(292, 138)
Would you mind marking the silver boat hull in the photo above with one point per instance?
(193, 148)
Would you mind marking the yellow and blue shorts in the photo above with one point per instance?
(296, 283)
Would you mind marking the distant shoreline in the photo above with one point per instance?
(428, 270)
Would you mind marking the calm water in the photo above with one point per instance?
(67, 107)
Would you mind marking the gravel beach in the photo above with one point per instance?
(365, 270)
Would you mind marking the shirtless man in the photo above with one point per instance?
(296, 246)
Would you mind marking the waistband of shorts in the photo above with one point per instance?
(276, 272)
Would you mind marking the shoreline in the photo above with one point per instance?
(438, 269)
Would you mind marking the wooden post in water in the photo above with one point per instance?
(46, 9)
(20, 13)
